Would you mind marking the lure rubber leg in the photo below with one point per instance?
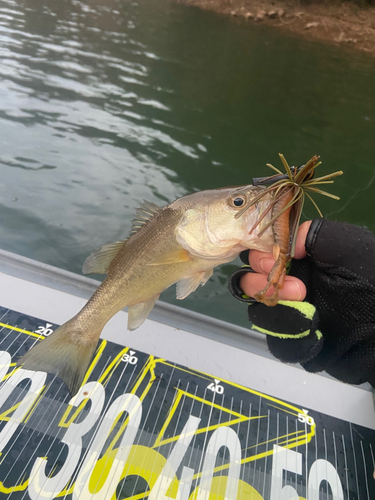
(276, 278)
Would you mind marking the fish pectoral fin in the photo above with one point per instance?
(180, 255)
(100, 260)
(138, 313)
(188, 285)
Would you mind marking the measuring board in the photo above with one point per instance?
(145, 427)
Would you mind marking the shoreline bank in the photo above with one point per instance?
(345, 24)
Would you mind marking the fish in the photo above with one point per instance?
(180, 244)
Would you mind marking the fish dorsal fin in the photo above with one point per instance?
(188, 285)
(99, 261)
(138, 313)
(143, 214)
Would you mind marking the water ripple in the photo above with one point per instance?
(104, 103)
(24, 163)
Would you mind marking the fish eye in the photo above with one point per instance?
(238, 201)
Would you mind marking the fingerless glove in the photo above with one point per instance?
(334, 329)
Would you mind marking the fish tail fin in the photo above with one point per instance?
(65, 353)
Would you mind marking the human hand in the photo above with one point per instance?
(262, 263)
(334, 328)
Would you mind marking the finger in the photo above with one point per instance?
(293, 288)
(300, 251)
(261, 262)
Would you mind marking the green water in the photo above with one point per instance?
(105, 103)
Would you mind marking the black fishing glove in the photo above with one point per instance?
(334, 329)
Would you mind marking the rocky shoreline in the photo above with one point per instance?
(345, 24)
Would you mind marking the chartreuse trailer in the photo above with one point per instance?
(187, 407)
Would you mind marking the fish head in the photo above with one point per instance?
(213, 227)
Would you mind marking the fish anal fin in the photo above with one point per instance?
(186, 286)
(175, 257)
(138, 313)
(100, 260)
(144, 213)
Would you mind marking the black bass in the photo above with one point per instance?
(180, 243)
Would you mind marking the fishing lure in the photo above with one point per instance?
(288, 196)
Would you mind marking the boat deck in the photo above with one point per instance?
(188, 383)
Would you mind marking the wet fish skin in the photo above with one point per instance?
(180, 243)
